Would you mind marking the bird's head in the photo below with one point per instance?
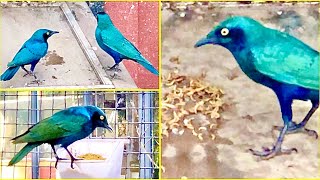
(99, 117)
(233, 33)
(43, 34)
(103, 19)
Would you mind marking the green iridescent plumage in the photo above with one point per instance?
(62, 128)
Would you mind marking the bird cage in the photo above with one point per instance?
(133, 117)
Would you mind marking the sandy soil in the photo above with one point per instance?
(64, 65)
(252, 108)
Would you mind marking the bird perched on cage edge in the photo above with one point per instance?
(62, 128)
(274, 59)
(30, 54)
(117, 46)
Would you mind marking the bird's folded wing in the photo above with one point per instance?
(117, 42)
(28, 54)
(57, 126)
(290, 62)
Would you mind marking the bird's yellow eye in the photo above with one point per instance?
(224, 31)
(48, 33)
(101, 118)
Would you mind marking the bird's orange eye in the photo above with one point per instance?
(224, 31)
(101, 118)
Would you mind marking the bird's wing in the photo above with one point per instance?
(116, 41)
(61, 124)
(287, 60)
(29, 53)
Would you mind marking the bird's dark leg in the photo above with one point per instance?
(56, 155)
(277, 150)
(32, 73)
(115, 75)
(72, 158)
(28, 72)
(293, 127)
(115, 67)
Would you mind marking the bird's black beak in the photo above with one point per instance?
(109, 128)
(204, 41)
(53, 32)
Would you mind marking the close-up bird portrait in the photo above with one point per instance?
(78, 134)
(257, 66)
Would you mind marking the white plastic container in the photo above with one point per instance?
(111, 149)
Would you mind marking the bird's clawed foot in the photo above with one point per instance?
(294, 128)
(57, 159)
(113, 68)
(270, 153)
(37, 81)
(72, 160)
(28, 73)
(115, 75)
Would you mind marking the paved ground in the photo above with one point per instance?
(64, 65)
(252, 109)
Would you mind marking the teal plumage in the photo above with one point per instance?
(116, 45)
(30, 53)
(274, 59)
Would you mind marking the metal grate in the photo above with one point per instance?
(132, 115)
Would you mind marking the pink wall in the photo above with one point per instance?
(139, 23)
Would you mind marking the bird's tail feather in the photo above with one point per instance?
(9, 73)
(146, 64)
(22, 153)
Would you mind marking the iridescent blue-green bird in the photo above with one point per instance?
(30, 53)
(276, 60)
(62, 128)
(117, 46)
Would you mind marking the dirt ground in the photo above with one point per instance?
(252, 109)
(64, 65)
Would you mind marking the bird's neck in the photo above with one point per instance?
(244, 59)
(104, 25)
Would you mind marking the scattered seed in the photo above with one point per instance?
(165, 133)
(181, 132)
(163, 169)
(175, 130)
(202, 128)
(200, 137)
(186, 96)
(189, 126)
(213, 137)
(194, 133)
(168, 105)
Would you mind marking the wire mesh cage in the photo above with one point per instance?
(133, 117)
